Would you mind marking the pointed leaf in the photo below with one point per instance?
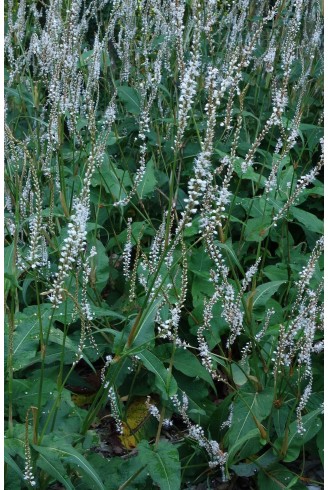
(265, 292)
(162, 463)
(163, 379)
(52, 465)
(130, 97)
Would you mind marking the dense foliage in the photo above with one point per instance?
(163, 243)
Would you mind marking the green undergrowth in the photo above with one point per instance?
(163, 244)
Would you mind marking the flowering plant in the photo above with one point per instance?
(163, 243)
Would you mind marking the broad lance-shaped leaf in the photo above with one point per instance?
(308, 220)
(48, 462)
(67, 454)
(164, 381)
(230, 252)
(262, 462)
(145, 332)
(185, 362)
(102, 266)
(27, 337)
(149, 181)
(312, 425)
(265, 292)
(253, 434)
(10, 461)
(162, 463)
(130, 97)
(248, 406)
(277, 477)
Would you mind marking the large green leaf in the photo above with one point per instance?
(102, 266)
(201, 288)
(249, 404)
(26, 392)
(257, 229)
(265, 292)
(280, 417)
(200, 407)
(10, 462)
(114, 180)
(252, 437)
(320, 445)
(54, 452)
(149, 181)
(27, 335)
(200, 264)
(138, 227)
(49, 462)
(308, 220)
(278, 272)
(262, 462)
(312, 425)
(146, 328)
(277, 477)
(130, 97)
(186, 362)
(162, 463)
(164, 381)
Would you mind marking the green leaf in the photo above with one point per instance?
(276, 477)
(130, 97)
(162, 463)
(308, 220)
(201, 288)
(238, 374)
(200, 407)
(200, 263)
(149, 181)
(249, 404)
(244, 469)
(257, 229)
(265, 292)
(102, 312)
(227, 247)
(280, 416)
(137, 228)
(57, 337)
(27, 335)
(312, 425)
(320, 445)
(101, 261)
(51, 464)
(164, 381)
(188, 364)
(114, 180)
(145, 332)
(276, 272)
(120, 474)
(185, 362)
(262, 462)
(252, 435)
(250, 174)
(10, 461)
(67, 454)
(25, 392)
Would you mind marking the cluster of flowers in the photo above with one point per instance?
(74, 245)
(297, 339)
(28, 469)
(114, 406)
(196, 433)
(153, 410)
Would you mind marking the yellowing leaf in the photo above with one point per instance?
(82, 400)
(136, 416)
